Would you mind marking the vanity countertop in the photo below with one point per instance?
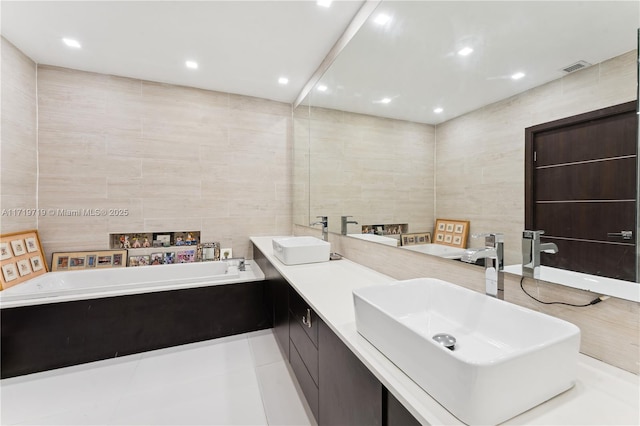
(603, 394)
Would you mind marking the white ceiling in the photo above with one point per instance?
(241, 47)
(412, 60)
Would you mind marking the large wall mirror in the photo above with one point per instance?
(423, 113)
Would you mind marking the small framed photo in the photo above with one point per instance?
(62, 263)
(169, 258)
(441, 226)
(439, 238)
(449, 227)
(9, 272)
(36, 263)
(31, 243)
(459, 229)
(105, 260)
(142, 260)
(226, 253)
(117, 259)
(5, 251)
(23, 267)
(448, 238)
(185, 256)
(157, 258)
(415, 238)
(18, 247)
(76, 262)
(164, 239)
(457, 239)
(91, 261)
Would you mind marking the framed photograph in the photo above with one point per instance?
(78, 260)
(226, 253)
(185, 256)
(142, 260)
(164, 239)
(31, 244)
(415, 238)
(23, 267)
(169, 258)
(9, 272)
(36, 263)
(157, 258)
(20, 250)
(5, 251)
(452, 232)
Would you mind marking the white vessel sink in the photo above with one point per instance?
(506, 360)
(437, 250)
(376, 239)
(299, 250)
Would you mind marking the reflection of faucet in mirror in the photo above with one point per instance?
(493, 255)
(324, 221)
(531, 249)
(344, 223)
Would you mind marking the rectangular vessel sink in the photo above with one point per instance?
(506, 359)
(299, 250)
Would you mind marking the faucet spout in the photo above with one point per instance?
(344, 222)
(531, 249)
(324, 221)
(551, 248)
(493, 255)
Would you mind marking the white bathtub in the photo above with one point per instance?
(76, 285)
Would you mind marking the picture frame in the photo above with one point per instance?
(21, 257)
(452, 232)
(139, 260)
(87, 259)
(208, 252)
(415, 238)
(185, 256)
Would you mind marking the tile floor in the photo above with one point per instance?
(237, 380)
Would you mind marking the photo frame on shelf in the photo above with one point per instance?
(80, 260)
(415, 238)
(208, 252)
(21, 257)
(452, 232)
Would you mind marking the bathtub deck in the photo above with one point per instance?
(238, 380)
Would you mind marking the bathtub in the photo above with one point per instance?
(75, 285)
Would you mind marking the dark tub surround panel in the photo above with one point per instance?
(339, 389)
(44, 337)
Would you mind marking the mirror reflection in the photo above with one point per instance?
(423, 114)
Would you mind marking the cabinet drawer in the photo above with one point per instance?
(300, 309)
(305, 348)
(307, 384)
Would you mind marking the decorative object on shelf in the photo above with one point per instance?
(141, 240)
(389, 229)
(451, 232)
(157, 258)
(208, 252)
(226, 253)
(21, 257)
(79, 260)
(415, 238)
(186, 256)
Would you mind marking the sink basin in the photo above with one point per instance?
(376, 239)
(299, 250)
(506, 359)
(437, 250)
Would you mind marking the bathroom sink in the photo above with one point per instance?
(376, 239)
(299, 250)
(506, 359)
(437, 250)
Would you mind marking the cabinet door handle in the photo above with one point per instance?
(306, 320)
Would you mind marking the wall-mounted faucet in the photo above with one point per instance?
(531, 249)
(493, 255)
(344, 223)
(324, 221)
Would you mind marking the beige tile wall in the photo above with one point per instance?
(378, 170)
(18, 143)
(480, 167)
(610, 330)
(175, 158)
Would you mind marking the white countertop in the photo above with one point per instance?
(603, 394)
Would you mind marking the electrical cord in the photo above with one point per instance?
(593, 302)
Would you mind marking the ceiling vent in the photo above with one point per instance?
(577, 66)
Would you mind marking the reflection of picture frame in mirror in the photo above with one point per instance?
(448, 238)
(205, 252)
(18, 248)
(439, 238)
(457, 239)
(415, 238)
(31, 244)
(449, 227)
(89, 259)
(452, 232)
(459, 228)
(76, 262)
(62, 263)
(5, 251)
(441, 226)
(36, 263)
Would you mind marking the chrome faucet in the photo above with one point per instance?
(344, 223)
(493, 255)
(531, 249)
(324, 221)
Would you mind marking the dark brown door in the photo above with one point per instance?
(581, 190)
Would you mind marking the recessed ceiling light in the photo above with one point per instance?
(324, 3)
(192, 64)
(71, 43)
(322, 88)
(283, 80)
(517, 76)
(385, 100)
(382, 19)
(465, 51)
(438, 110)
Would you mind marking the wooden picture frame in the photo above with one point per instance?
(93, 259)
(415, 238)
(21, 258)
(451, 232)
